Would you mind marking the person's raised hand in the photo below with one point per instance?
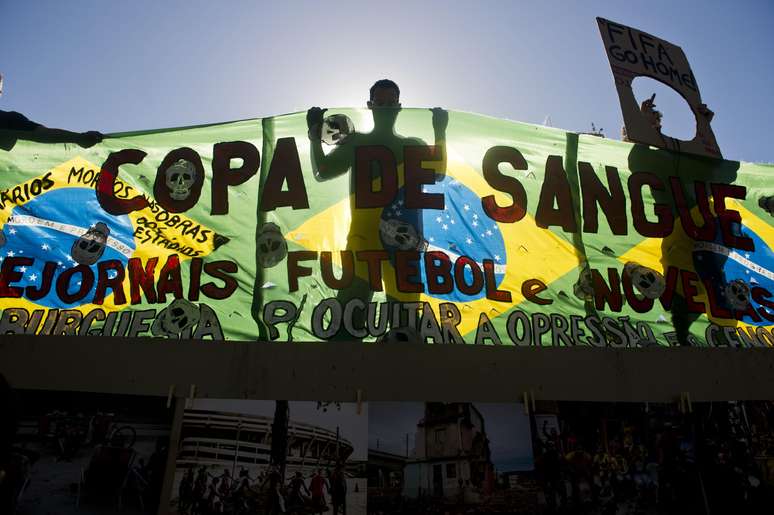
(648, 106)
(440, 119)
(90, 138)
(314, 121)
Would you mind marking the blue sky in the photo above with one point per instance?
(116, 66)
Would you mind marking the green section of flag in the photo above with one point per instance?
(324, 219)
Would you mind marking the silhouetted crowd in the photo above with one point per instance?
(717, 459)
(202, 493)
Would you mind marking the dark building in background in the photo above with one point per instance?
(452, 456)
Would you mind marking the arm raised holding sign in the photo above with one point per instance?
(336, 162)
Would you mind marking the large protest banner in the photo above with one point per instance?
(408, 226)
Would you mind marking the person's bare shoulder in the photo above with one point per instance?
(415, 142)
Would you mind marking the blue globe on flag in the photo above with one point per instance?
(756, 268)
(45, 229)
(461, 229)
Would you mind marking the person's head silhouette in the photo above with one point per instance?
(384, 104)
(384, 93)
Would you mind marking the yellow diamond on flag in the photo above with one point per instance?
(519, 251)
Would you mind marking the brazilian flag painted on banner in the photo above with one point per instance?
(384, 225)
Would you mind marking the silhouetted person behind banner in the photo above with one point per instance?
(32, 131)
(681, 252)
(364, 230)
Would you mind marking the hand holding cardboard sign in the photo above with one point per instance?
(648, 109)
(706, 112)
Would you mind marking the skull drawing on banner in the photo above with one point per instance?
(270, 245)
(87, 249)
(179, 316)
(646, 280)
(336, 129)
(738, 295)
(180, 178)
(584, 288)
(399, 234)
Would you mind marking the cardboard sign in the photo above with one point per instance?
(633, 53)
